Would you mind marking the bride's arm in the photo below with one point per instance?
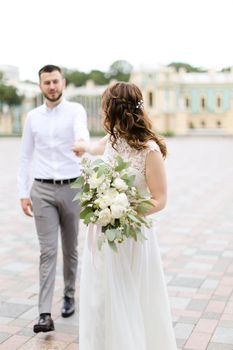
(156, 181)
(94, 148)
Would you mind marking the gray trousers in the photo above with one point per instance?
(53, 208)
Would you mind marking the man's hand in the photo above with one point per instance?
(80, 147)
(26, 205)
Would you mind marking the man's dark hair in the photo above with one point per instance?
(49, 68)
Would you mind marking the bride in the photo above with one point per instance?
(123, 298)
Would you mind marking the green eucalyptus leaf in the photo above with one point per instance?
(77, 196)
(113, 246)
(144, 206)
(86, 211)
(111, 234)
(86, 188)
(121, 164)
(87, 219)
(97, 163)
(79, 182)
(101, 171)
(130, 181)
(133, 218)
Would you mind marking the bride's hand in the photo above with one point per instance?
(79, 148)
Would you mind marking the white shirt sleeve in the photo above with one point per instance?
(27, 149)
(80, 125)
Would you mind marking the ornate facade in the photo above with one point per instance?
(187, 103)
(178, 103)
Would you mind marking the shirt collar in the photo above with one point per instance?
(57, 108)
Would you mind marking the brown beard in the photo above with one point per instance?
(53, 99)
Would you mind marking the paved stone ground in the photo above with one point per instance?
(195, 236)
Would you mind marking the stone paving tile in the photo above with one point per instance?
(42, 344)
(6, 320)
(197, 304)
(183, 330)
(197, 341)
(219, 346)
(179, 303)
(223, 335)
(14, 342)
(195, 238)
(211, 315)
(4, 336)
(73, 347)
(12, 309)
(206, 326)
(215, 306)
(186, 281)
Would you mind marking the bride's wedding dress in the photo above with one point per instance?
(123, 297)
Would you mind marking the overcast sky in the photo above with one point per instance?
(86, 35)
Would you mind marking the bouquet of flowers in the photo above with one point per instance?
(108, 198)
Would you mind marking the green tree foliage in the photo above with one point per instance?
(187, 67)
(9, 95)
(98, 77)
(226, 69)
(75, 77)
(120, 70)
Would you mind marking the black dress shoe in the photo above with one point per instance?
(45, 324)
(68, 307)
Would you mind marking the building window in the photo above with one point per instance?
(151, 99)
(203, 124)
(219, 124)
(203, 103)
(191, 125)
(187, 102)
(219, 102)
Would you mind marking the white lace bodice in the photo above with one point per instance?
(136, 158)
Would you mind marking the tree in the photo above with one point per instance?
(9, 95)
(186, 66)
(75, 77)
(120, 70)
(226, 69)
(98, 77)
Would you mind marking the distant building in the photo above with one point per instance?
(10, 73)
(178, 103)
(188, 103)
(90, 97)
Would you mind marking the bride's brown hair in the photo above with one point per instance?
(124, 116)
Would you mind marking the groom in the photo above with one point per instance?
(49, 133)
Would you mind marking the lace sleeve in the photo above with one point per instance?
(152, 146)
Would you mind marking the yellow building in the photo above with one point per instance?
(178, 103)
(188, 103)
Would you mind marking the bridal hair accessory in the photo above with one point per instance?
(140, 104)
(126, 103)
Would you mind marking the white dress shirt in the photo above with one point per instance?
(48, 137)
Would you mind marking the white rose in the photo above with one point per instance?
(133, 191)
(95, 181)
(104, 186)
(117, 211)
(104, 217)
(121, 200)
(108, 198)
(101, 202)
(120, 184)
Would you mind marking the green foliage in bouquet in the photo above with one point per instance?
(109, 198)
